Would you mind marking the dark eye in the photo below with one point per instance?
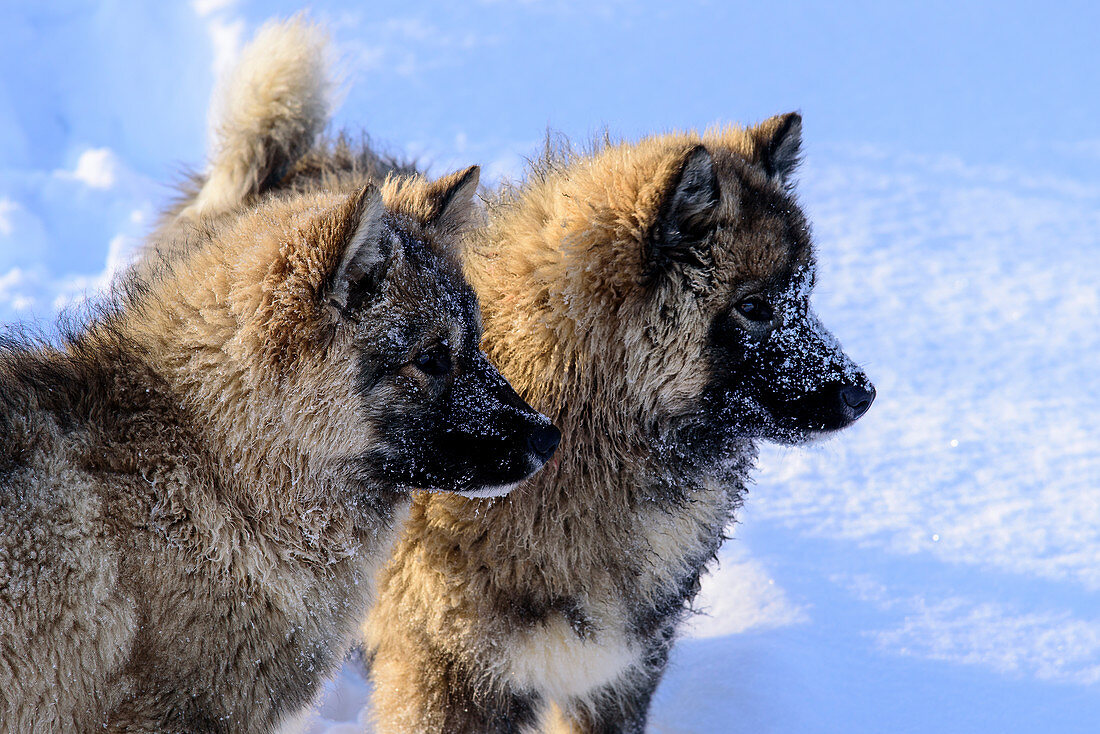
(435, 361)
(755, 308)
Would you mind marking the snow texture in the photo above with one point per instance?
(936, 567)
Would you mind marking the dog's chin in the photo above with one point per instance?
(499, 490)
(800, 436)
(488, 491)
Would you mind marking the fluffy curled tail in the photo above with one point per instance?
(273, 106)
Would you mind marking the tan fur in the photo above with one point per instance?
(571, 320)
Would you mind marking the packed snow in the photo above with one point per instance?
(936, 567)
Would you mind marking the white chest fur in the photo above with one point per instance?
(553, 660)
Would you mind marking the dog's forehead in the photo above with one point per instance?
(768, 242)
(429, 294)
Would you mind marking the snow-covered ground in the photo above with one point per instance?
(934, 568)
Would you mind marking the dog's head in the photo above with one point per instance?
(368, 336)
(729, 230)
(678, 290)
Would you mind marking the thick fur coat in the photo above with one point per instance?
(199, 479)
(650, 297)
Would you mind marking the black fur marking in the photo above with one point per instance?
(687, 215)
(671, 606)
(623, 708)
(275, 172)
(462, 431)
(529, 611)
(365, 286)
(779, 387)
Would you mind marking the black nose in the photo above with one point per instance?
(857, 399)
(543, 440)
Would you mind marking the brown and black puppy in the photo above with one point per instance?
(198, 482)
(653, 299)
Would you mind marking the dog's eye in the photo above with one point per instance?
(755, 308)
(435, 361)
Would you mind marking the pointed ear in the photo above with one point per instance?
(778, 145)
(689, 207)
(451, 198)
(363, 251)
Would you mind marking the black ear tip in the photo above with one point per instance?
(789, 130)
(697, 167)
(780, 126)
(471, 174)
(697, 155)
(365, 195)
